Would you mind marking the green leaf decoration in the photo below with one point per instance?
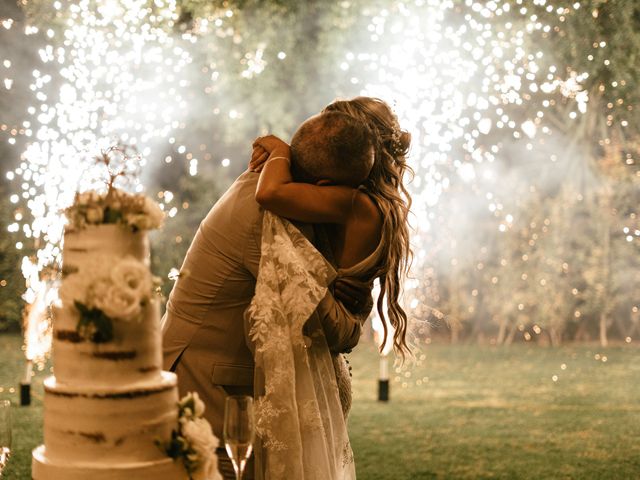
(178, 447)
(174, 448)
(94, 325)
(112, 216)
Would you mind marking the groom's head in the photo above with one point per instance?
(332, 146)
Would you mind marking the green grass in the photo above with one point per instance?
(27, 421)
(479, 412)
(497, 413)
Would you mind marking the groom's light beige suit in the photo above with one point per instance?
(204, 338)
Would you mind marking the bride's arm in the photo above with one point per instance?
(305, 202)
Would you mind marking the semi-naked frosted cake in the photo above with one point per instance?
(110, 408)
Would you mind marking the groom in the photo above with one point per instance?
(204, 338)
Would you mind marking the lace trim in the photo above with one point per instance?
(299, 419)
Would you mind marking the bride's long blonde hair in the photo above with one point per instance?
(385, 184)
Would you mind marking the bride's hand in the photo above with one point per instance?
(273, 145)
(354, 294)
(258, 159)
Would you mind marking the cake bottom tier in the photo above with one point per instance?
(109, 425)
(42, 468)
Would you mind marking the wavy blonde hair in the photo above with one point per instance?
(385, 185)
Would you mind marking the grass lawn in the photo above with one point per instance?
(464, 412)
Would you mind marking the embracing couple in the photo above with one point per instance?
(265, 307)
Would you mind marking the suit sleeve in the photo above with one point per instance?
(342, 328)
(251, 261)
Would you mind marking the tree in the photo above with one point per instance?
(12, 283)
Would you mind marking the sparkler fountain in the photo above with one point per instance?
(459, 77)
(115, 76)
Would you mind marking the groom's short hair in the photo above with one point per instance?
(332, 146)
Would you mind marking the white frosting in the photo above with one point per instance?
(89, 425)
(80, 245)
(109, 402)
(134, 354)
(43, 468)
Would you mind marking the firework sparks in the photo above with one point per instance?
(457, 73)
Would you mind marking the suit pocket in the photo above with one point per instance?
(234, 375)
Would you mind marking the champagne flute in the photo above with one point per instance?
(238, 431)
(5, 433)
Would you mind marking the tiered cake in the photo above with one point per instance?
(110, 412)
(109, 403)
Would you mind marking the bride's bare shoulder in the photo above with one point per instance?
(366, 210)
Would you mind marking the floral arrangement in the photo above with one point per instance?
(193, 441)
(136, 211)
(109, 289)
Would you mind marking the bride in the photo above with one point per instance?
(369, 236)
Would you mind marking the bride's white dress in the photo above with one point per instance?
(299, 417)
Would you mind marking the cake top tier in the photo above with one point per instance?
(106, 282)
(101, 240)
(114, 207)
(120, 167)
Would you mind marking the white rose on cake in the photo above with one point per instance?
(95, 214)
(87, 198)
(197, 431)
(200, 435)
(87, 283)
(199, 405)
(149, 217)
(191, 405)
(130, 274)
(120, 303)
(194, 441)
(97, 292)
(139, 221)
(72, 289)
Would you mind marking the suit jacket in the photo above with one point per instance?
(203, 330)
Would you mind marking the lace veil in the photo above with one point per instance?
(300, 425)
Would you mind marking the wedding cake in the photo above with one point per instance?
(110, 412)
